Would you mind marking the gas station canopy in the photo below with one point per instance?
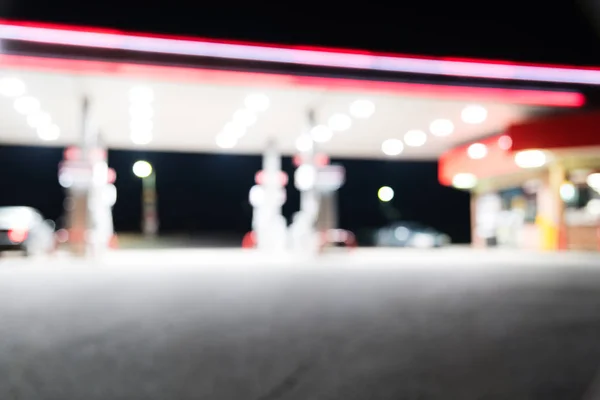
(182, 94)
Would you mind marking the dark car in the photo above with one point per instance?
(24, 229)
(410, 234)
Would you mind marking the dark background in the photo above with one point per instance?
(193, 198)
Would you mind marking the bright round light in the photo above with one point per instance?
(464, 181)
(256, 196)
(477, 151)
(392, 147)
(226, 141)
(141, 111)
(48, 132)
(441, 127)
(12, 87)
(27, 105)
(245, 117)
(305, 177)
(39, 119)
(530, 159)
(339, 122)
(234, 129)
(257, 102)
(567, 192)
(362, 109)
(593, 207)
(385, 194)
(304, 143)
(415, 138)
(141, 138)
(142, 169)
(138, 126)
(321, 134)
(593, 181)
(474, 114)
(141, 94)
(505, 142)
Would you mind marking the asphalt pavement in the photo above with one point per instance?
(179, 327)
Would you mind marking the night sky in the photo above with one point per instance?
(192, 198)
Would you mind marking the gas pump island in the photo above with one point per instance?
(317, 182)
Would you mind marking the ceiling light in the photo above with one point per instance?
(304, 143)
(593, 181)
(464, 181)
(340, 122)
(321, 134)
(39, 119)
(27, 105)
(441, 127)
(141, 126)
(141, 138)
(477, 151)
(474, 114)
(48, 132)
(530, 159)
(226, 141)
(245, 117)
(415, 138)
(392, 147)
(12, 87)
(234, 129)
(141, 111)
(257, 102)
(141, 94)
(362, 109)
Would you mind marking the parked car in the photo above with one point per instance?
(24, 229)
(410, 234)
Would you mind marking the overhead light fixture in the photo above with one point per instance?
(141, 125)
(27, 105)
(339, 122)
(321, 134)
(415, 138)
(49, 132)
(141, 94)
(441, 127)
(593, 181)
(362, 109)
(477, 151)
(226, 141)
(141, 111)
(39, 119)
(234, 129)
(464, 181)
(245, 117)
(474, 114)
(304, 143)
(530, 159)
(257, 102)
(12, 87)
(141, 138)
(392, 147)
